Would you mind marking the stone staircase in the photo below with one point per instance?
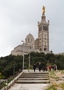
(33, 78)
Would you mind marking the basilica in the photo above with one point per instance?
(40, 44)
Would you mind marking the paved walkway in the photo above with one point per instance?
(29, 87)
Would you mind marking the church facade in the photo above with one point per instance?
(41, 44)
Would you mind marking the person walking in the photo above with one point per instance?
(40, 67)
(34, 67)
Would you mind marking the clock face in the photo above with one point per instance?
(45, 28)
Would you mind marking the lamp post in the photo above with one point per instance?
(23, 54)
(29, 58)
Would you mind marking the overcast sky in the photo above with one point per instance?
(19, 18)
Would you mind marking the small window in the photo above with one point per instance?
(44, 49)
(28, 39)
(40, 49)
(45, 28)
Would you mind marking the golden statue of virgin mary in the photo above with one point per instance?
(43, 10)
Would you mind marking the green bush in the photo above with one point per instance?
(52, 87)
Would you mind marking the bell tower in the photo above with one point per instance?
(43, 32)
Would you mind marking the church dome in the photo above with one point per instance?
(29, 38)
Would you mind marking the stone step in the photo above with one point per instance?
(26, 78)
(32, 81)
(31, 75)
(37, 73)
(34, 74)
(35, 77)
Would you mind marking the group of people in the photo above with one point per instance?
(34, 67)
(48, 68)
(52, 67)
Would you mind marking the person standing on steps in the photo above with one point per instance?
(40, 67)
(34, 67)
